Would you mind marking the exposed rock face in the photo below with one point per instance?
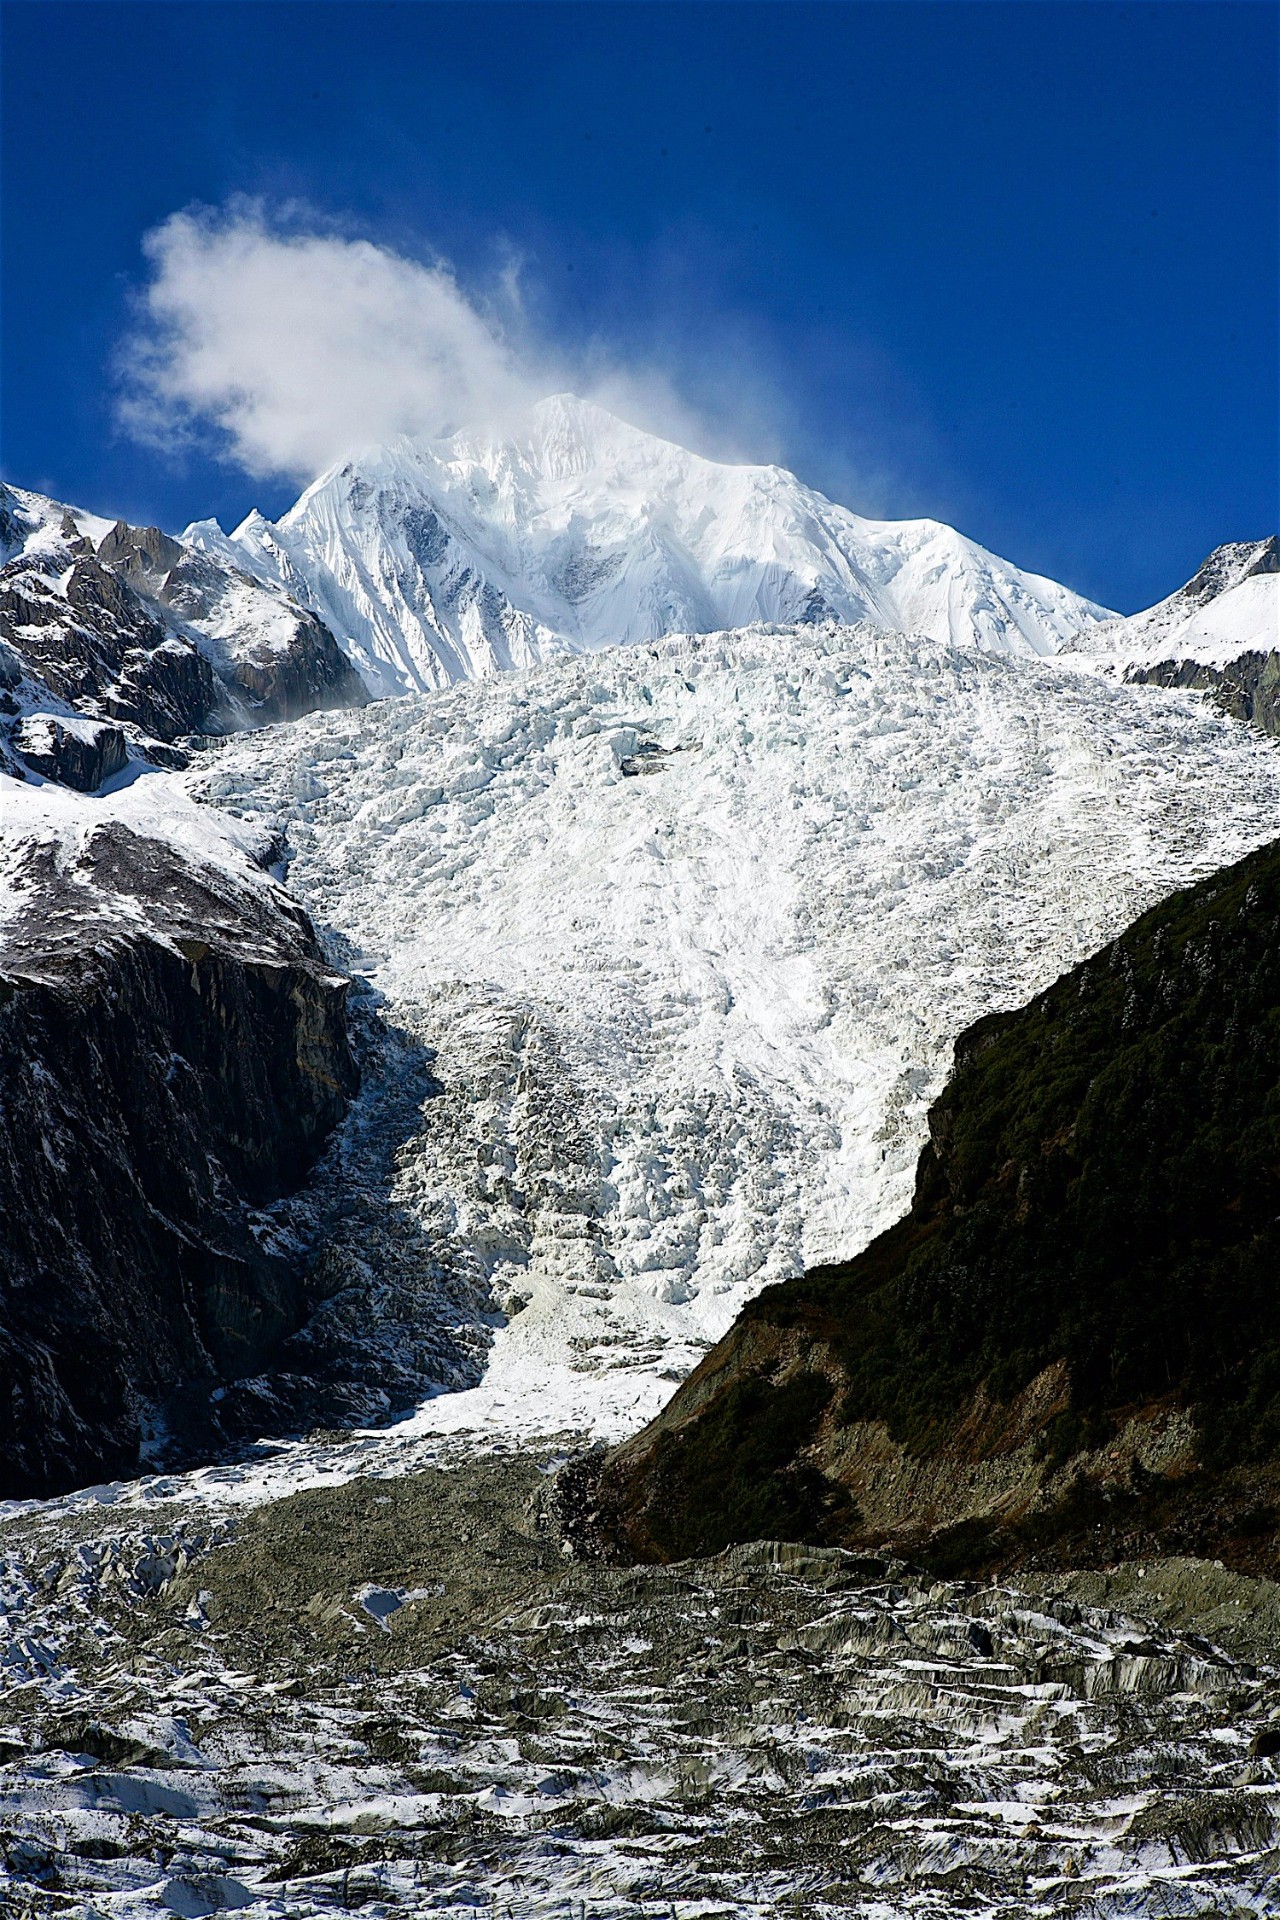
(84, 636)
(277, 660)
(1070, 1346)
(76, 753)
(1247, 688)
(173, 1054)
(144, 632)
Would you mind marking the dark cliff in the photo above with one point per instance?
(173, 1055)
(1069, 1349)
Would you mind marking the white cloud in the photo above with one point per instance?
(299, 347)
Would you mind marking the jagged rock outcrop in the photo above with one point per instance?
(173, 1055)
(83, 636)
(131, 627)
(76, 753)
(276, 659)
(1069, 1349)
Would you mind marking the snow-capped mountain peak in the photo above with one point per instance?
(570, 530)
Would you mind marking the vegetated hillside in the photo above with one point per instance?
(1069, 1349)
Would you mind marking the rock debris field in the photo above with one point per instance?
(397, 1695)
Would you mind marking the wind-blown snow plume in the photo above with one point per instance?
(300, 346)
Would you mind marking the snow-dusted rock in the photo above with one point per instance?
(103, 623)
(79, 753)
(81, 641)
(274, 659)
(1219, 634)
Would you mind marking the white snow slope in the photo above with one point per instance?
(691, 929)
(461, 558)
(1230, 607)
(39, 814)
(1243, 619)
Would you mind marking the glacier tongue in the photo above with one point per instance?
(691, 929)
(462, 558)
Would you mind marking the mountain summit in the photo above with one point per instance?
(455, 559)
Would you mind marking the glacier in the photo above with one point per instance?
(436, 561)
(667, 945)
(689, 930)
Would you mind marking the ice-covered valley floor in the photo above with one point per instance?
(394, 1696)
(682, 936)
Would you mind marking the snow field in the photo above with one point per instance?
(570, 531)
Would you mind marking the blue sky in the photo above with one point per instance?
(1012, 265)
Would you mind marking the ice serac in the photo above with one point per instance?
(689, 931)
(173, 1055)
(1219, 634)
(435, 561)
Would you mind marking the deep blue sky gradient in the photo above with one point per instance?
(1014, 265)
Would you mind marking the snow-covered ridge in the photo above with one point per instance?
(1230, 606)
(435, 561)
(1243, 619)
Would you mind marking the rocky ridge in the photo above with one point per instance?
(116, 638)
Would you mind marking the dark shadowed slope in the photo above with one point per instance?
(173, 1056)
